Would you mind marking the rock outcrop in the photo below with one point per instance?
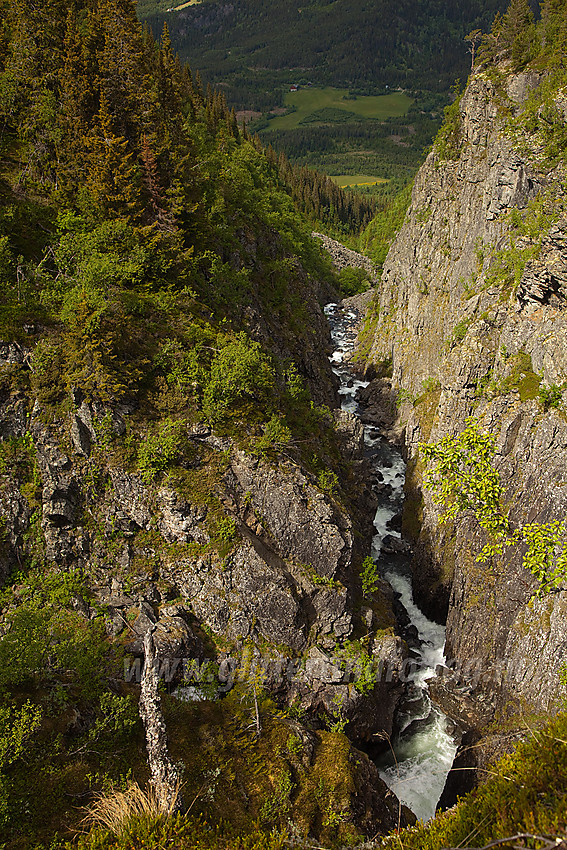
(281, 573)
(343, 257)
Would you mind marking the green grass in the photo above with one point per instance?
(309, 100)
(344, 180)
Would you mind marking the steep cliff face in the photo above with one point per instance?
(472, 313)
(432, 272)
(252, 549)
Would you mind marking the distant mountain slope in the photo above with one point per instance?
(250, 45)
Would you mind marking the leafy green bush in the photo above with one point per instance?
(328, 481)
(159, 450)
(353, 281)
(461, 476)
(99, 354)
(507, 265)
(116, 719)
(354, 657)
(431, 384)
(550, 397)
(460, 331)
(294, 384)
(46, 635)
(226, 529)
(375, 241)
(112, 254)
(369, 576)
(405, 396)
(17, 725)
(276, 435)
(48, 369)
(17, 456)
(240, 373)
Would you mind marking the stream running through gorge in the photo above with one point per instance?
(423, 747)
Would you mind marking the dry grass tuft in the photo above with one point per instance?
(115, 812)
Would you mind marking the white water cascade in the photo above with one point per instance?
(424, 749)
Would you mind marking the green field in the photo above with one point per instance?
(308, 101)
(344, 180)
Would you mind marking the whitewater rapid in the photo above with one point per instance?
(423, 749)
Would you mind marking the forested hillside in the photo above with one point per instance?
(121, 177)
(165, 400)
(249, 45)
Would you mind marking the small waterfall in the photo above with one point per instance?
(424, 749)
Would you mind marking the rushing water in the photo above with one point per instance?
(424, 749)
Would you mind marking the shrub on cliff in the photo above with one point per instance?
(461, 475)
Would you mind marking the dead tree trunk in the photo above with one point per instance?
(163, 773)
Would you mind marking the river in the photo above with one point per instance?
(423, 747)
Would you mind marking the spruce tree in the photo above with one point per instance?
(554, 25)
(113, 175)
(518, 32)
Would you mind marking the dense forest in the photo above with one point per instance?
(251, 48)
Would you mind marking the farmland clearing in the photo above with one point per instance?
(313, 105)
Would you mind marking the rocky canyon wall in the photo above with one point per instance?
(472, 313)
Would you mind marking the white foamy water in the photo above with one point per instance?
(423, 760)
(431, 635)
(424, 750)
(381, 519)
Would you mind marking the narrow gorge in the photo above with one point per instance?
(270, 558)
(422, 748)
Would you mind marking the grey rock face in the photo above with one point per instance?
(80, 436)
(13, 417)
(331, 681)
(13, 352)
(246, 598)
(181, 521)
(305, 523)
(131, 496)
(351, 431)
(175, 641)
(288, 578)
(15, 510)
(456, 210)
(454, 341)
(378, 401)
(343, 257)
